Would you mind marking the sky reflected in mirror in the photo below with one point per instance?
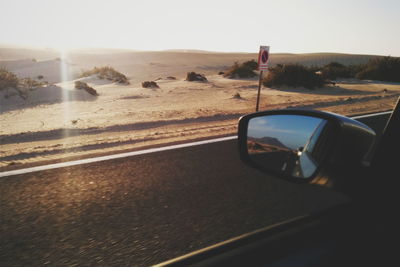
(291, 130)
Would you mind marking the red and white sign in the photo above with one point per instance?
(263, 57)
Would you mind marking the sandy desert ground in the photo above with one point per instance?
(60, 122)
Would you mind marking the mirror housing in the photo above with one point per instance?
(313, 143)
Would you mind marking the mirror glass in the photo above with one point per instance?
(289, 144)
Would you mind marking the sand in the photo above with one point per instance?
(59, 122)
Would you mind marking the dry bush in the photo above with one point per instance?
(244, 70)
(84, 86)
(251, 64)
(335, 70)
(193, 76)
(29, 83)
(377, 68)
(108, 73)
(150, 84)
(293, 75)
(237, 96)
(381, 69)
(8, 79)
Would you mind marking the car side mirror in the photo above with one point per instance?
(297, 144)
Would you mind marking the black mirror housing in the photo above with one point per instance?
(332, 142)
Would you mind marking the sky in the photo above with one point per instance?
(292, 26)
(292, 130)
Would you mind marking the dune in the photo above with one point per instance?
(50, 70)
(22, 53)
(42, 96)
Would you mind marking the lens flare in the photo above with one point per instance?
(66, 95)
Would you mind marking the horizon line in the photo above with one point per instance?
(179, 50)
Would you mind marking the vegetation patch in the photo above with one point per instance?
(150, 84)
(10, 81)
(244, 70)
(381, 69)
(108, 73)
(237, 96)
(293, 75)
(29, 83)
(193, 76)
(335, 70)
(84, 86)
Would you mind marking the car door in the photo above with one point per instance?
(356, 233)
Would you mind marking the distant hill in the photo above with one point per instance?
(272, 141)
(17, 53)
(319, 59)
(149, 65)
(191, 51)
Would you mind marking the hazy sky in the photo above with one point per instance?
(292, 130)
(294, 26)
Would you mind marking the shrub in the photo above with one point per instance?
(80, 85)
(335, 70)
(29, 83)
(293, 75)
(40, 77)
(237, 96)
(193, 76)
(244, 70)
(381, 69)
(150, 84)
(108, 73)
(314, 68)
(354, 69)
(8, 79)
(84, 86)
(251, 64)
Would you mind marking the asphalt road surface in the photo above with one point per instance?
(145, 209)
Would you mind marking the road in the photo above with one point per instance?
(145, 209)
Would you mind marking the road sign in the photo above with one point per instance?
(263, 57)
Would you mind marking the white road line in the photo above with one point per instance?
(135, 153)
(371, 115)
(115, 156)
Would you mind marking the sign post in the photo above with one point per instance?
(263, 57)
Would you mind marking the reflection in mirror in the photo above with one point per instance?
(288, 144)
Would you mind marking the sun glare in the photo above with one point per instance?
(65, 89)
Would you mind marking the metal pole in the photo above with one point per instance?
(259, 90)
